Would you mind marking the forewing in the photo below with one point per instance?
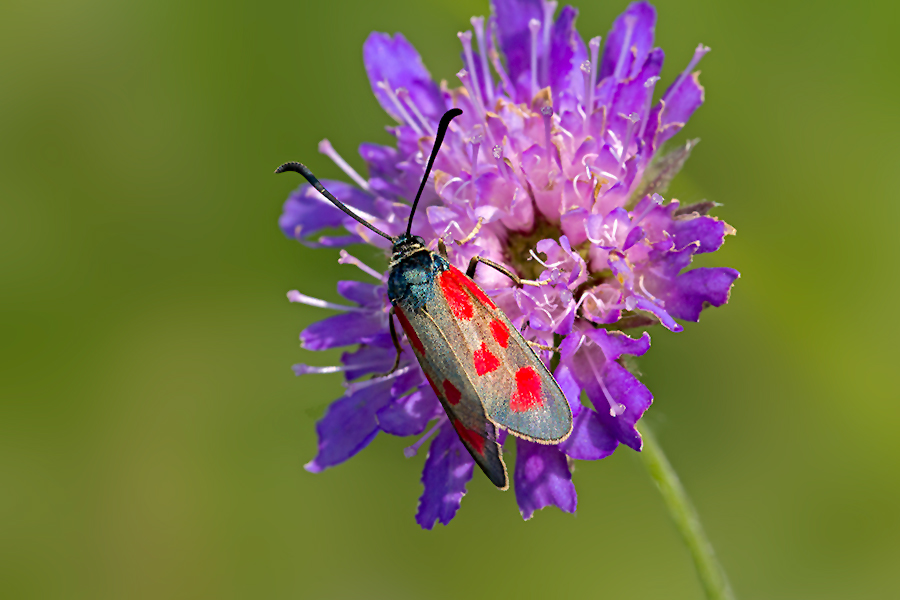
(516, 390)
(443, 368)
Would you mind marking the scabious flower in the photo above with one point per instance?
(553, 169)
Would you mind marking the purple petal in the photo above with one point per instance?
(385, 178)
(642, 17)
(625, 389)
(409, 415)
(683, 97)
(512, 17)
(634, 96)
(368, 295)
(397, 62)
(348, 426)
(343, 330)
(367, 359)
(448, 469)
(615, 343)
(405, 381)
(696, 288)
(569, 386)
(567, 52)
(307, 212)
(708, 231)
(590, 439)
(542, 479)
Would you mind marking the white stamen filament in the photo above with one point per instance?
(465, 37)
(537, 258)
(411, 451)
(575, 187)
(495, 61)
(595, 52)
(646, 293)
(629, 130)
(404, 116)
(466, 79)
(615, 143)
(355, 386)
(328, 150)
(534, 26)
(626, 47)
(347, 259)
(404, 95)
(478, 25)
(295, 296)
(301, 369)
(476, 146)
(655, 200)
(649, 84)
(549, 9)
(699, 53)
(546, 115)
(615, 409)
(588, 97)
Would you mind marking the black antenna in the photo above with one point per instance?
(301, 168)
(438, 139)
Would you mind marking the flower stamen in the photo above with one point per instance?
(495, 60)
(328, 150)
(405, 119)
(699, 53)
(626, 47)
(549, 9)
(595, 52)
(534, 26)
(465, 37)
(615, 409)
(348, 259)
(355, 386)
(546, 115)
(404, 95)
(411, 451)
(478, 25)
(295, 296)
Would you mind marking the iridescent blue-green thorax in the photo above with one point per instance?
(413, 270)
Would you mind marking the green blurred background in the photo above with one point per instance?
(152, 435)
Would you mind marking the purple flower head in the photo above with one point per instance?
(553, 170)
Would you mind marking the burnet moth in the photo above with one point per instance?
(483, 371)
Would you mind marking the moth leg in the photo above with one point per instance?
(396, 345)
(524, 326)
(542, 346)
(470, 272)
(442, 248)
(473, 233)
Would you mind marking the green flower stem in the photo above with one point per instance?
(711, 574)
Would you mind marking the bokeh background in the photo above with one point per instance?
(152, 435)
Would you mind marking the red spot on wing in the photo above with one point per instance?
(528, 390)
(456, 295)
(500, 332)
(410, 332)
(471, 286)
(473, 437)
(485, 361)
(453, 394)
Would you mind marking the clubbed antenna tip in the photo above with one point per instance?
(293, 166)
